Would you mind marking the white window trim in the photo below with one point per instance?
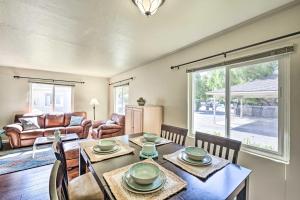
(114, 96)
(283, 154)
(53, 96)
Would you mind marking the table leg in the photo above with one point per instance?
(244, 194)
(82, 164)
(33, 150)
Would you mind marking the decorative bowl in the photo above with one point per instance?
(195, 153)
(144, 173)
(150, 137)
(106, 145)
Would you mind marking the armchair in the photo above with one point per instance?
(112, 127)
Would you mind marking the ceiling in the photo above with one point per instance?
(107, 37)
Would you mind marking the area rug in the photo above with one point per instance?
(22, 160)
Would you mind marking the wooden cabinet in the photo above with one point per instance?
(143, 119)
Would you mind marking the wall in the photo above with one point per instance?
(159, 85)
(15, 92)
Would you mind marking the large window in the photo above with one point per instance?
(50, 98)
(121, 98)
(247, 102)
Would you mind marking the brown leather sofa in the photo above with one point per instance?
(103, 130)
(48, 124)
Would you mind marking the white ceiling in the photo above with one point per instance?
(107, 37)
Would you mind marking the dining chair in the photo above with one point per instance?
(81, 187)
(214, 141)
(57, 185)
(176, 134)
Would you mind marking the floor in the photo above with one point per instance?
(26, 186)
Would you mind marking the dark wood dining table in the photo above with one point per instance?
(227, 183)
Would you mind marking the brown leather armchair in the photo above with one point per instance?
(48, 124)
(102, 129)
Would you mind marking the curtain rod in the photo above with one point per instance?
(274, 52)
(237, 49)
(45, 79)
(121, 85)
(128, 79)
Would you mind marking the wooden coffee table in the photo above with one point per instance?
(50, 139)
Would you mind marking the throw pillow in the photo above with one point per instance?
(110, 122)
(76, 120)
(29, 123)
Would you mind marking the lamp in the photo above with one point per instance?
(148, 7)
(94, 102)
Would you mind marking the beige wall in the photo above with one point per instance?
(159, 85)
(15, 92)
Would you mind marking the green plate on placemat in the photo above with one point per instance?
(184, 158)
(155, 155)
(129, 184)
(97, 150)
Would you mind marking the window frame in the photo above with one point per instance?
(53, 95)
(115, 103)
(283, 154)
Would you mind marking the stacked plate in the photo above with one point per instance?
(151, 137)
(195, 156)
(106, 147)
(144, 178)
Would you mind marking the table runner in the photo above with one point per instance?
(199, 171)
(114, 178)
(88, 148)
(138, 141)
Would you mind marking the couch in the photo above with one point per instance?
(48, 124)
(115, 126)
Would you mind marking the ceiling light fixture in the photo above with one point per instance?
(148, 7)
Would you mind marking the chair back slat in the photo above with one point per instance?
(57, 186)
(176, 134)
(60, 155)
(227, 143)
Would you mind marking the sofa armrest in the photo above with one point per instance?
(13, 128)
(98, 123)
(86, 122)
(110, 126)
(86, 125)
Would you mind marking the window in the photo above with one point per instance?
(50, 98)
(247, 102)
(121, 98)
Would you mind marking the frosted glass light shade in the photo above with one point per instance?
(94, 101)
(148, 7)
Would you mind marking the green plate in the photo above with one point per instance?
(157, 141)
(129, 184)
(184, 158)
(155, 155)
(97, 150)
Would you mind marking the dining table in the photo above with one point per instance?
(227, 183)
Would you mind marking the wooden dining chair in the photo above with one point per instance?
(57, 185)
(81, 187)
(176, 134)
(211, 142)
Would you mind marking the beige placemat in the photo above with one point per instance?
(139, 141)
(199, 171)
(114, 178)
(88, 148)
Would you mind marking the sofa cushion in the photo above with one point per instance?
(108, 131)
(74, 129)
(54, 120)
(29, 123)
(76, 120)
(50, 131)
(40, 118)
(32, 134)
(69, 115)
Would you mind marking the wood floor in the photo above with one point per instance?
(31, 184)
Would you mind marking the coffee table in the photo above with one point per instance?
(50, 139)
